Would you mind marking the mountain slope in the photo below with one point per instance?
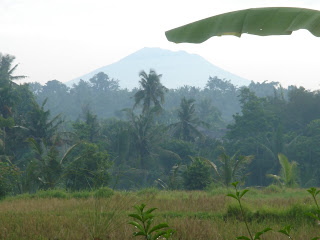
(178, 69)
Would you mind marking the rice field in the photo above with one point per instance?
(194, 215)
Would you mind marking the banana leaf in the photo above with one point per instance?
(257, 21)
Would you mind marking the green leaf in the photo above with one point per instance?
(284, 232)
(266, 230)
(150, 210)
(243, 237)
(159, 234)
(244, 192)
(146, 217)
(315, 238)
(258, 234)
(257, 21)
(136, 216)
(137, 225)
(233, 196)
(235, 184)
(312, 215)
(140, 208)
(158, 227)
(168, 233)
(138, 234)
(310, 191)
(149, 224)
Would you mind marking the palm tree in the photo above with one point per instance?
(7, 96)
(144, 133)
(288, 176)
(151, 91)
(40, 125)
(6, 69)
(45, 169)
(232, 167)
(186, 128)
(210, 114)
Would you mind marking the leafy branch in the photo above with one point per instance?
(143, 220)
(238, 196)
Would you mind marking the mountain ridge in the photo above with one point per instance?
(178, 69)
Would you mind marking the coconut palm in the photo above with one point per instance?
(7, 96)
(288, 176)
(186, 129)
(231, 167)
(45, 169)
(40, 125)
(151, 91)
(6, 69)
(144, 133)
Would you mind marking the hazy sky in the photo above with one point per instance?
(64, 39)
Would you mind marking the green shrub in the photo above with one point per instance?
(81, 194)
(214, 189)
(103, 192)
(273, 189)
(9, 175)
(148, 192)
(234, 212)
(197, 175)
(143, 221)
(55, 193)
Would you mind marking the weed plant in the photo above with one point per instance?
(143, 220)
(107, 214)
(285, 230)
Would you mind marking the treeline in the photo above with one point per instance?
(96, 134)
(106, 99)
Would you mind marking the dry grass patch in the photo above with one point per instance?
(194, 215)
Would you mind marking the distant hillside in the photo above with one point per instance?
(178, 69)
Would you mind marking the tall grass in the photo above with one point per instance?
(58, 214)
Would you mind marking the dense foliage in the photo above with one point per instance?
(95, 134)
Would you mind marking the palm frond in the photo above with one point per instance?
(35, 146)
(275, 178)
(68, 152)
(285, 168)
(215, 168)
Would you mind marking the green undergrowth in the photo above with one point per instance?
(294, 215)
(260, 205)
(188, 212)
(271, 191)
(63, 194)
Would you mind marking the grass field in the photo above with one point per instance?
(194, 215)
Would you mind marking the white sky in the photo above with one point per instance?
(64, 39)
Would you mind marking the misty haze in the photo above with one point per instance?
(115, 125)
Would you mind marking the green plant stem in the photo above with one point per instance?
(245, 220)
(145, 230)
(315, 200)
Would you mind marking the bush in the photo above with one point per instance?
(56, 193)
(103, 192)
(272, 189)
(234, 212)
(197, 175)
(9, 175)
(148, 192)
(81, 194)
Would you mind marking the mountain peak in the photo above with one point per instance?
(178, 69)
